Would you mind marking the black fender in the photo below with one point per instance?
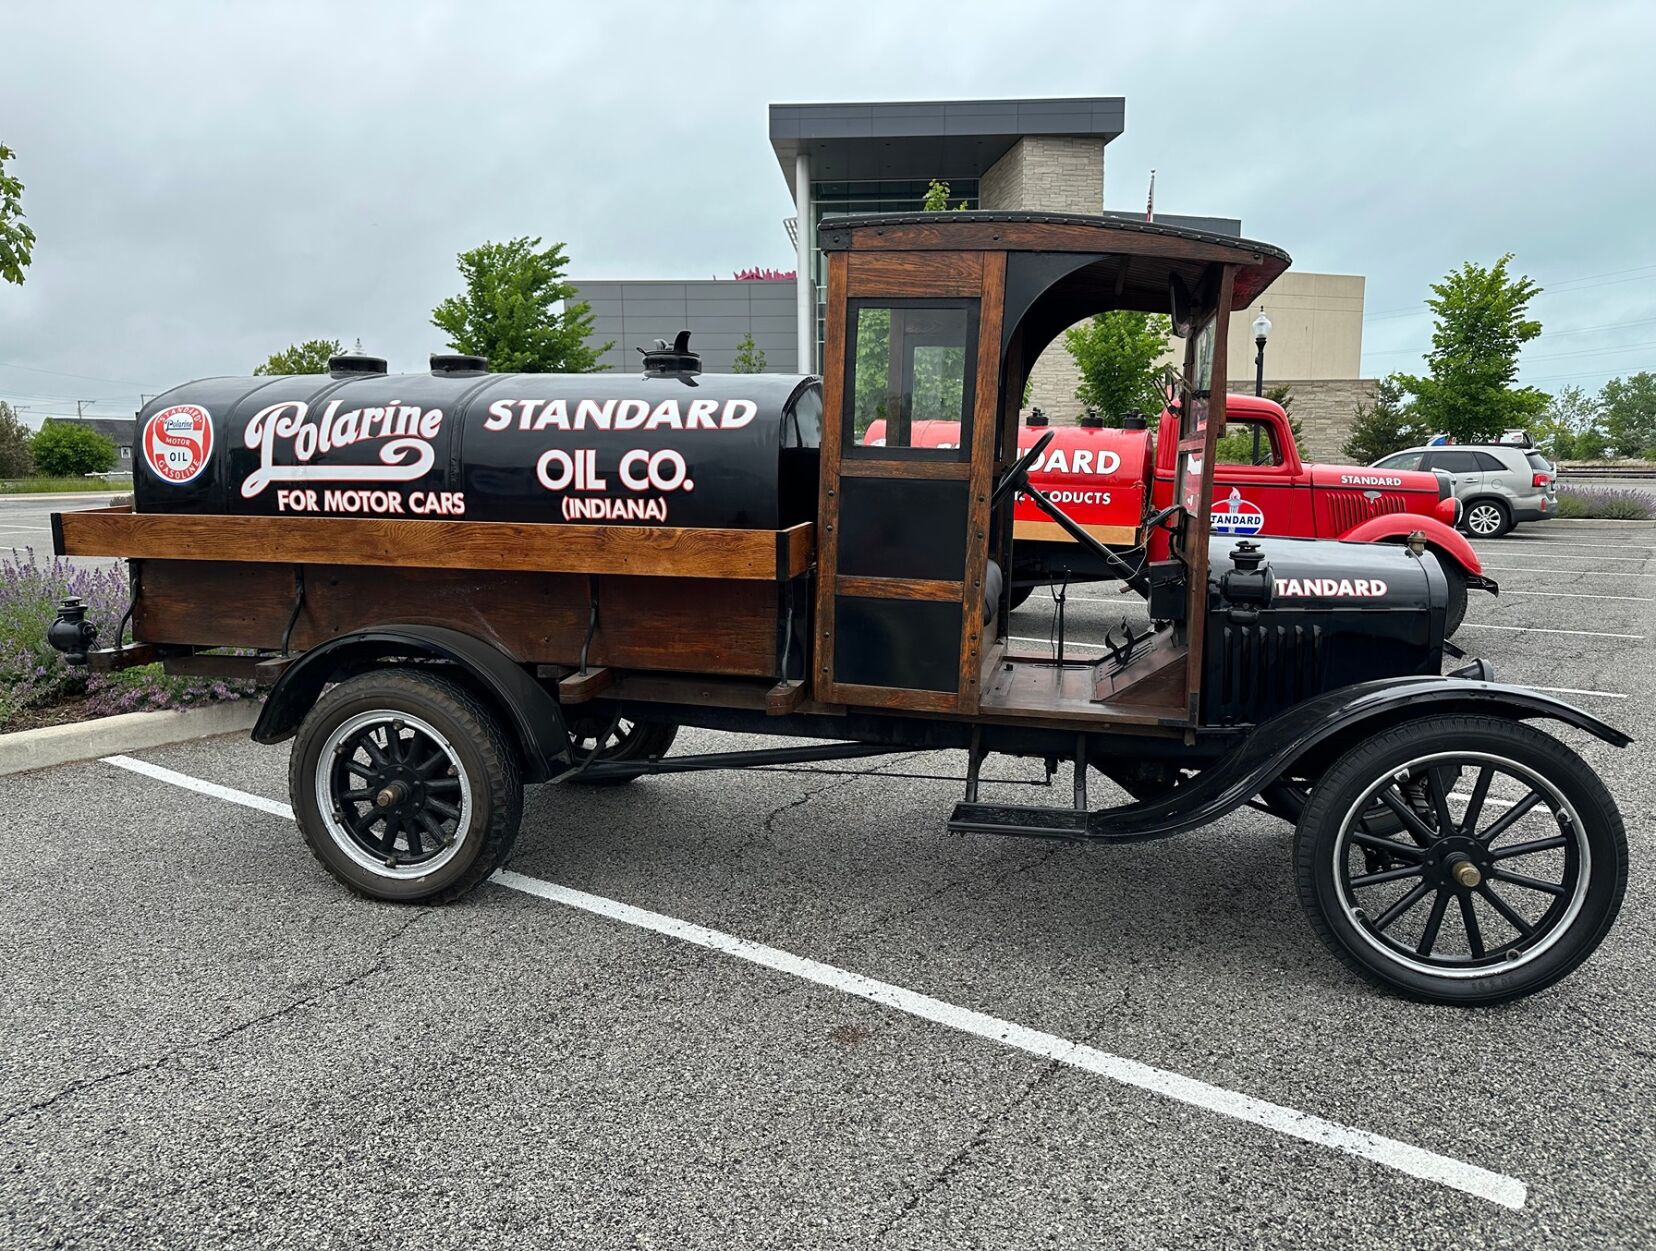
(529, 712)
(1329, 721)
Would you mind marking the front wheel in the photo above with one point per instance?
(1456, 612)
(1504, 870)
(404, 787)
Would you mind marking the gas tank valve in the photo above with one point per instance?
(71, 633)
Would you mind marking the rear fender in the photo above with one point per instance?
(1448, 542)
(1306, 737)
(527, 710)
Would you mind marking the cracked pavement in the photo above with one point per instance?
(205, 1042)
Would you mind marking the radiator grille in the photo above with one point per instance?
(1262, 669)
(1350, 508)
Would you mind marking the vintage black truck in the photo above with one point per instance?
(459, 582)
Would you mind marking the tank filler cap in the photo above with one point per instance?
(346, 364)
(451, 363)
(1037, 419)
(1092, 421)
(1134, 420)
(666, 360)
(1247, 556)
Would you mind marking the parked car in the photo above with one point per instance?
(1498, 484)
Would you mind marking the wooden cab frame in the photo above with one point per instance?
(909, 543)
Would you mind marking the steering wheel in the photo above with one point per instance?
(1018, 475)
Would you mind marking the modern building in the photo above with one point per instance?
(1014, 155)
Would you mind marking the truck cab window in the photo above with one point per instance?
(910, 362)
(1248, 443)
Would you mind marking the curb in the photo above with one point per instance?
(127, 731)
(1592, 523)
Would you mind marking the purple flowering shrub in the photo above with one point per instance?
(33, 675)
(1604, 504)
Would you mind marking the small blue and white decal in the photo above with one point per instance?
(1237, 516)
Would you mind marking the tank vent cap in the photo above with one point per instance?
(348, 363)
(1134, 420)
(1037, 418)
(1092, 421)
(664, 360)
(451, 363)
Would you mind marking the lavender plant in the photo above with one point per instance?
(33, 675)
(1606, 504)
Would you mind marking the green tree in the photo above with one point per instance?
(309, 357)
(1282, 395)
(750, 359)
(69, 450)
(937, 198)
(1482, 322)
(1572, 427)
(1629, 406)
(16, 239)
(1383, 427)
(1117, 353)
(15, 458)
(507, 314)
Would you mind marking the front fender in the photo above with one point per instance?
(1276, 746)
(1445, 540)
(528, 711)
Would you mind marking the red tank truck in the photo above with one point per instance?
(1110, 480)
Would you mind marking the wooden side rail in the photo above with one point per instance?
(662, 551)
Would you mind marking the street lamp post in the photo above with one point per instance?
(1261, 331)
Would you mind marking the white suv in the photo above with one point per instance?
(1497, 484)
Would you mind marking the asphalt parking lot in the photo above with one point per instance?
(207, 1042)
(26, 521)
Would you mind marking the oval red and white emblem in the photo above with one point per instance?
(178, 442)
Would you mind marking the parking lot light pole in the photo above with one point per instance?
(1261, 331)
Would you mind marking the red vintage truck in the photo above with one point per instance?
(1110, 480)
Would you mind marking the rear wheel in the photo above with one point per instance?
(405, 787)
(1487, 519)
(622, 742)
(1507, 880)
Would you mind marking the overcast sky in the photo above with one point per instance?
(211, 182)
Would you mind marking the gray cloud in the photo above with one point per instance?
(212, 182)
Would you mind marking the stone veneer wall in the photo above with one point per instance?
(1325, 408)
(1043, 173)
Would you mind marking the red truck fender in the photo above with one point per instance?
(1446, 541)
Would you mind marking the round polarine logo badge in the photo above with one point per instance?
(178, 442)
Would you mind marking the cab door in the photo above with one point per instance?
(903, 549)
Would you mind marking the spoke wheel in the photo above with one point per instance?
(401, 797)
(1501, 866)
(621, 740)
(405, 787)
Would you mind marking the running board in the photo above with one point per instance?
(1019, 820)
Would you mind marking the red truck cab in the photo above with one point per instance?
(1110, 480)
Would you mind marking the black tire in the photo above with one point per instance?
(635, 740)
(1020, 596)
(429, 717)
(1456, 612)
(1486, 519)
(1566, 921)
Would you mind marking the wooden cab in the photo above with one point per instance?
(939, 318)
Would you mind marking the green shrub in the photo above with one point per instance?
(65, 450)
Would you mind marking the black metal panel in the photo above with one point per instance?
(903, 528)
(897, 642)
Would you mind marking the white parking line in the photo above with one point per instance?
(1540, 540)
(1628, 560)
(1632, 599)
(1571, 690)
(1053, 642)
(1586, 634)
(1567, 573)
(1390, 1153)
